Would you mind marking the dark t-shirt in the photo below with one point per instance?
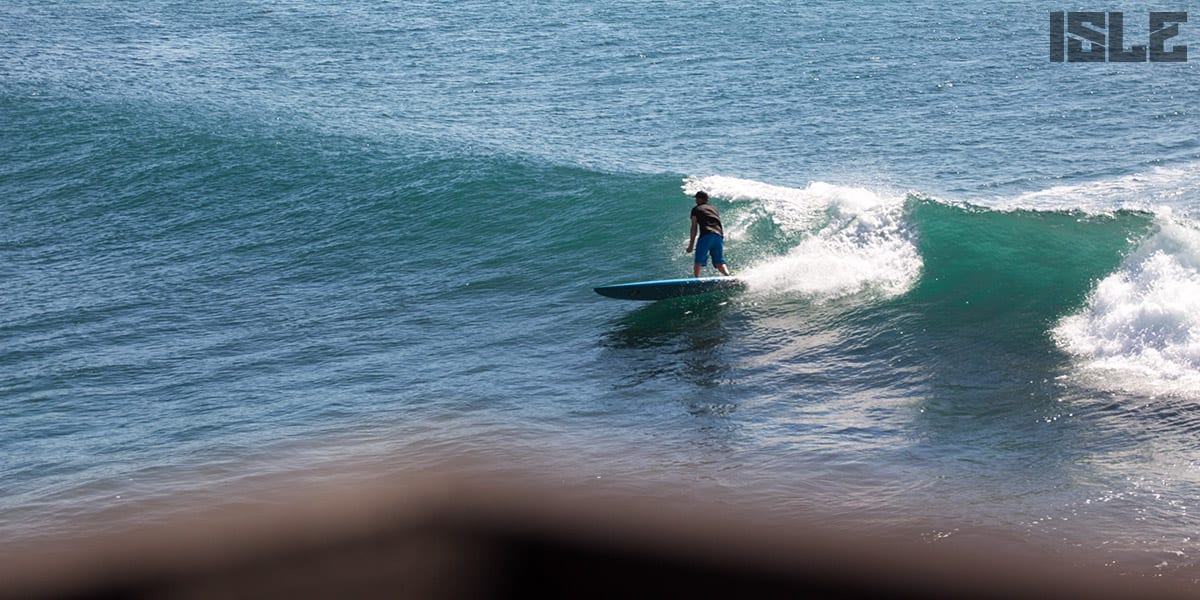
(708, 219)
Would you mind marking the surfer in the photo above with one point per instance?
(707, 222)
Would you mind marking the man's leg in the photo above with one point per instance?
(717, 250)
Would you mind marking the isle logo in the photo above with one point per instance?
(1100, 37)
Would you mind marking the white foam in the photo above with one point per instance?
(851, 239)
(1151, 191)
(1141, 326)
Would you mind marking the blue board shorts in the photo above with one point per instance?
(710, 244)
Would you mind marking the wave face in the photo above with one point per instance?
(1017, 271)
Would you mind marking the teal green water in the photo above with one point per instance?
(1016, 273)
(248, 239)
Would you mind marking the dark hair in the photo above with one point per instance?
(702, 195)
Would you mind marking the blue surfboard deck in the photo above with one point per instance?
(669, 288)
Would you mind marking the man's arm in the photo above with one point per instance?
(692, 238)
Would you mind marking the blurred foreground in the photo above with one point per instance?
(440, 538)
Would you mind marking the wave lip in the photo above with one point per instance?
(1152, 190)
(1141, 325)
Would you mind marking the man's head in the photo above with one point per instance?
(701, 197)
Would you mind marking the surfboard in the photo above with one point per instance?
(669, 288)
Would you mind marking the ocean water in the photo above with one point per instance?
(240, 239)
